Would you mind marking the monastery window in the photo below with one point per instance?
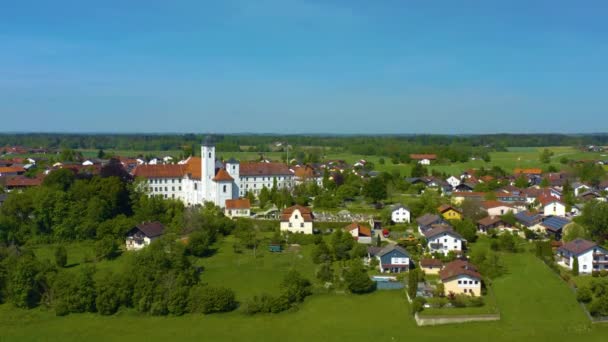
(209, 154)
(180, 188)
(224, 189)
(173, 188)
(166, 189)
(301, 225)
(195, 186)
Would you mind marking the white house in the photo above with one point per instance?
(400, 214)
(240, 207)
(551, 206)
(297, 219)
(202, 179)
(143, 234)
(591, 257)
(461, 277)
(579, 188)
(453, 181)
(423, 159)
(87, 163)
(443, 239)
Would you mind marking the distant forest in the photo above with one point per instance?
(387, 145)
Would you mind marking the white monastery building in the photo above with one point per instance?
(201, 179)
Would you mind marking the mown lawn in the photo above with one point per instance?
(534, 303)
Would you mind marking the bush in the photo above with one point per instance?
(105, 248)
(603, 273)
(61, 256)
(437, 302)
(210, 299)
(357, 280)
(599, 306)
(584, 295)
(418, 304)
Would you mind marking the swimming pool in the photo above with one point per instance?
(387, 283)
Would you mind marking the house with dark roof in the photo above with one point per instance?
(530, 220)
(494, 222)
(441, 238)
(393, 259)
(143, 234)
(591, 257)
(425, 221)
(554, 226)
(461, 277)
(297, 219)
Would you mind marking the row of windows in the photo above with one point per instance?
(166, 188)
(470, 282)
(163, 181)
(291, 225)
(255, 179)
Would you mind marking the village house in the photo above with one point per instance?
(461, 277)
(143, 234)
(441, 238)
(393, 259)
(449, 212)
(496, 223)
(431, 266)
(307, 174)
(11, 171)
(591, 257)
(579, 188)
(400, 214)
(297, 219)
(240, 207)
(359, 232)
(530, 220)
(496, 208)
(426, 221)
(554, 226)
(453, 181)
(423, 159)
(551, 206)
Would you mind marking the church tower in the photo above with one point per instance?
(208, 168)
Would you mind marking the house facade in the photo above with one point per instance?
(431, 266)
(240, 207)
(359, 232)
(461, 277)
(443, 239)
(400, 214)
(297, 219)
(202, 179)
(393, 259)
(553, 207)
(450, 213)
(496, 208)
(591, 257)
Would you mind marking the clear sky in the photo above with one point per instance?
(304, 66)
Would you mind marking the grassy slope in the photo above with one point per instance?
(535, 306)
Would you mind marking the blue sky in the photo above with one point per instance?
(300, 66)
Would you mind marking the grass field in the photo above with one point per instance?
(534, 303)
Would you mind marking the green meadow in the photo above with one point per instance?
(535, 305)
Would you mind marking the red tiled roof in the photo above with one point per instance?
(423, 156)
(578, 246)
(22, 181)
(457, 268)
(545, 199)
(192, 167)
(264, 169)
(304, 211)
(241, 203)
(222, 176)
(494, 204)
(363, 230)
(12, 169)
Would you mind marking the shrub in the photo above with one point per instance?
(210, 299)
(418, 304)
(105, 248)
(583, 294)
(61, 256)
(357, 280)
(603, 273)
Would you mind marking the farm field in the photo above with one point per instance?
(534, 303)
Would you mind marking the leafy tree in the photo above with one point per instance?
(61, 256)
(60, 179)
(106, 248)
(112, 292)
(584, 294)
(595, 219)
(200, 242)
(418, 170)
(521, 182)
(264, 197)
(295, 287)
(574, 231)
(545, 156)
(472, 209)
(466, 228)
(599, 306)
(341, 244)
(356, 278)
(321, 253)
(74, 292)
(375, 189)
(325, 272)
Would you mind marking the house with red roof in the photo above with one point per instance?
(423, 159)
(461, 277)
(240, 207)
(552, 206)
(361, 233)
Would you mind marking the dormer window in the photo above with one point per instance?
(296, 216)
